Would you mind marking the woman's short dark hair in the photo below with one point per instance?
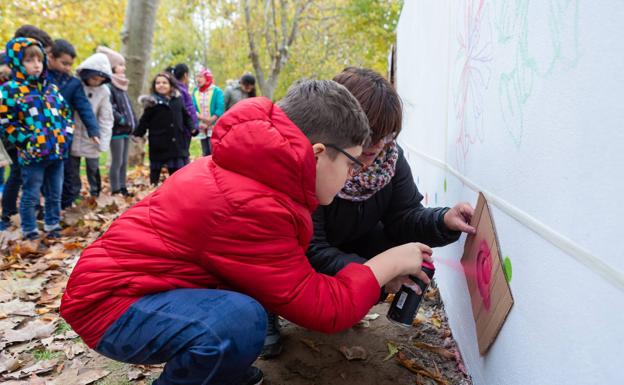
(378, 99)
(167, 76)
(33, 32)
(180, 70)
(326, 113)
(63, 47)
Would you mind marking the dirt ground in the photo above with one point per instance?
(311, 358)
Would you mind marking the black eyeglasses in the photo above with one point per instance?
(356, 166)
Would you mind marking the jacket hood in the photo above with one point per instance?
(15, 50)
(153, 99)
(97, 62)
(256, 139)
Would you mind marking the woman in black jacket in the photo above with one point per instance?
(167, 121)
(379, 207)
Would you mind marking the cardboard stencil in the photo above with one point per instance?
(490, 293)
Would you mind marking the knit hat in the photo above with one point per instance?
(114, 57)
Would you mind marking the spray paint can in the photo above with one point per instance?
(406, 302)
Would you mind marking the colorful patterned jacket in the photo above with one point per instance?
(33, 114)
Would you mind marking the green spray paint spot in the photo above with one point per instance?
(507, 268)
(444, 184)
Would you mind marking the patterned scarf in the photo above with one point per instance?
(374, 177)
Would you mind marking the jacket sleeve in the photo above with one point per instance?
(142, 127)
(324, 257)
(82, 106)
(187, 120)
(256, 251)
(105, 122)
(227, 98)
(407, 220)
(189, 106)
(10, 126)
(219, 107)
(118, 118)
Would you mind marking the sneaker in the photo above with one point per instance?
(252, 376)
(124, 191)
(54, 234)
(31, 236)
(273, 341)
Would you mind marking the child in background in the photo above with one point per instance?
(94, 73)
(36, 118)
(62, 56)
(167, 122)
(13, 183)
(125, 122)
(208, 99)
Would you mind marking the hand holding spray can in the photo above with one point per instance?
(406, 302)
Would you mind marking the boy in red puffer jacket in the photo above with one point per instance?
(185, 282)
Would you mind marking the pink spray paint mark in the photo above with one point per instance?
(484, 273)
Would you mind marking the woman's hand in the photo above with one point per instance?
(458, 218)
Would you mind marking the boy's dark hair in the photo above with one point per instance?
(33, 32)
(180, 70)
(378, 99)
(248, 79)
(33, 51)
(63, 47)
(326, 113)
(167, 76)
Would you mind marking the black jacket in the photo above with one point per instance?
(166, 121)
(125, 120)
(347, 231)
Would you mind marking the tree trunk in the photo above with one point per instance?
(136, 46)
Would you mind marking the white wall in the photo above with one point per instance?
(524, 100)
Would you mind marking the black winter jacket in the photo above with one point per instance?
(347, 231)
(125, 120)
(166, 121)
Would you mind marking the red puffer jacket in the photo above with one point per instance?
(239, 220)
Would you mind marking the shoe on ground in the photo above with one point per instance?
(273, 344)
(54, 234)
(31, 236)
(252, 376)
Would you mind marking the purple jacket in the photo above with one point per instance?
(188, 103)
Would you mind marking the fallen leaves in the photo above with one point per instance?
(413, 366)
(354, 353)
(36, 344)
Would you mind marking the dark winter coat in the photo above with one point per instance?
(347, 231)
(167, 122)
(125, 120)
(73, 92)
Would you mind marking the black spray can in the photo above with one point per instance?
(406, 301)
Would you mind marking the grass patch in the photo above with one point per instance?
(41, 354)
(62, 327)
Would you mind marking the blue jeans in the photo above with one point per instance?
(47, 174)
(205, 336)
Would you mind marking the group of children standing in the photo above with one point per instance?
(50, 120)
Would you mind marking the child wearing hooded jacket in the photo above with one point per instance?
(125, 121)
(37, 120)
(210, 105)
(94, 72)
(166, 121)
